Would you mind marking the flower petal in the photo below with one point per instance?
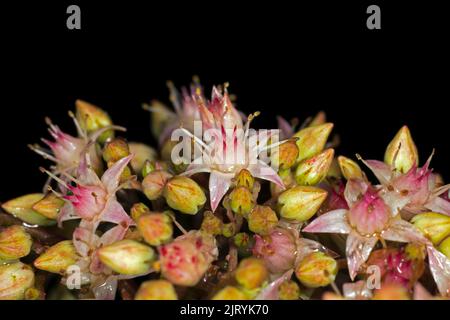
(83, 239)
(85, 173)
(115, 213)
(356, 290)
(218, 186)
(265, 172)
(440, 269)
(331, 222)
(438, 204)
(67, 213)
(112, 235)
(111, 177)
(420, 293)
(358, 249)
(270, 292)
(354, 189)
(402, 231)
(106, 290)
(380, 169)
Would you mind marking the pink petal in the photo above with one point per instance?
(67, 213)
(354, 189)
(271, 291)
(85, 174)
(331, 222)
(380, 169)
(358, 249)
(420, 293)
(112, 235)
(83, 239)
(115, 213)
(440, 269)
(111, 177)
(402, 231)
(218, 187)
(285, 127)
(438, 204)
(395, 201)
(265, 172)
(106, 290)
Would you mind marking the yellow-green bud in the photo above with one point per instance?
(444, 247)
(156, 290)
(244, 242)
(241, 200)
(142, 153)
(349, 168)
(230, 293)
(300, 203)
(245, 179)
(285, 156)
(312, 171)
(228, 229)
(22, 208)
(91, 118)
(262, 220)
(184, 194)
(49, 206)
(312, 140)
(251, 273)
(154, 182)
(415, 251)
(319, 118)
(115, 150)
(401, 152)
(211, 224)
(156, 228)
(316, 270)
(15, 243)
(57, 258)
(148, 167)
(288, 179)
(34, 294)
(15, 279)
(137, 210)
(289, 290)
(434, 226)
(127, 257)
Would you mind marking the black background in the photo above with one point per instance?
(280, 57)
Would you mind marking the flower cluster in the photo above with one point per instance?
(285, 219)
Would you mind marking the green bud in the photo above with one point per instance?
(313, 170)
(434, 226)
(245, 179)
(285, 156)
(156, 290)
(241, 200)
(156, 228)
(444, 247)
(251, 273)
(57, 258)
(316, 270)
(312, 140)
(300, 203)
(244, 243)
(401, 152)
(350, 169)
(211, 224)
(137, 210)
(49, 206)
(15, 279)
(148, 167)
(230, 293)
(289, 290)
(127, 257)
(262, 220)
(115, 150)
(184, 194)
(228, 229)
(91, 118)
(15, 243)
(160, 116)
(21, 208)
(142, 153)
(154, 182)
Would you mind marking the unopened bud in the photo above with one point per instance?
(241, 200)
(115, 150)
(262, 220)
(312, 140)
(127, 257)
(15, 279)
(319, 118)
(287, 176)
(434, 226)
(49, 206)
(251, 273)
(156, 290)
(316, 270)
(156, 228)
(57, 258)
(15, 243)
(230, 293)
(184, 194)
(313, 170)
(211, 224)
(153, 184)
(289, 290)
(285, 156)
(444, 247)
(160, 115)
(148, 167)
(401, 152)
(138, 209)
(228, 229)
(34, 294)
(91, 118)
(349, 168)
(244, 243)
(22, 208)
(142, 153)
(300, 203)
(245, 179)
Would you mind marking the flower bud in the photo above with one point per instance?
(49, 206)
(91, 118)
(15, 279)
(285, 156)
(313, 170)
(156, 228)
(15, 243)
(156, 290)
(300, 203)
(245, 179)
(262, 220)
(137, 210)
(241, 200)
(21, 208)
(434, 226)
(288, 181)
(444, 247)
(289, 290)
(244, 243)
(228, 229)
(334, 172)
(115, 150)
(251, 273)
(142, 153)
(160, 115)
(349, 168)
(57, 258)
(184, 194)
(148, 167)
(127, 257)
(318, 119)
(230, 293)
(311, 140)
(211, 224)
(278, 250)
(34, 294)
(153, 183)
(391, 292)
(316, 270)
(401, 152)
